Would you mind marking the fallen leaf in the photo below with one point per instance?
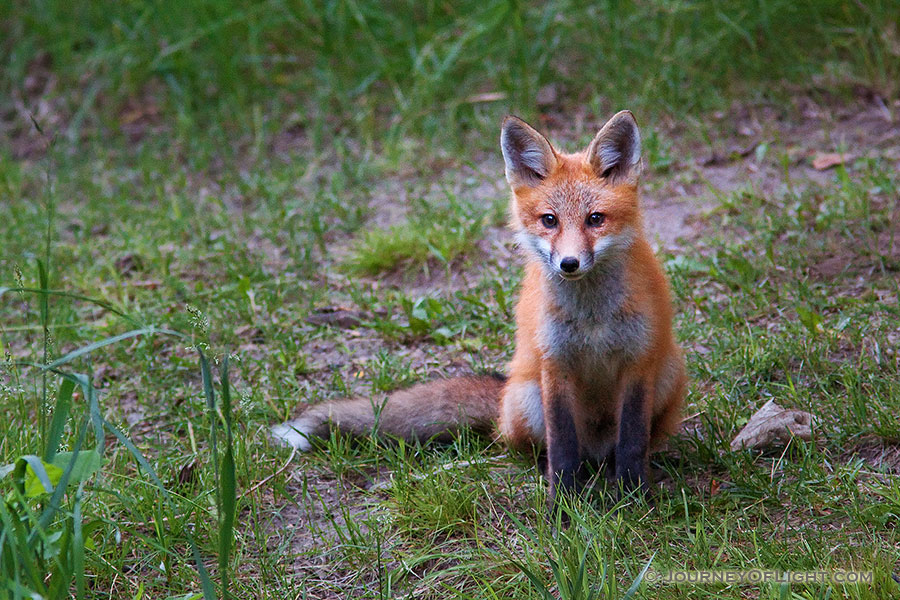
(713, 160)
(188, 474)
(773, 425)
(253, 334)
(717, 159)
(827, 160)
(486, 97)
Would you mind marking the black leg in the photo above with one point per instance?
(634, 437)
(563, 458)
(604, 431)
(541, 459)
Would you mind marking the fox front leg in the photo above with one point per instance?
(632, 446)
(563, 456)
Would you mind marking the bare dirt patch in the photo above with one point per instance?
(878, 455)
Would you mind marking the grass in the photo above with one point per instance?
(758, 317)
(223, 171)
(391, 74)
(435, 232)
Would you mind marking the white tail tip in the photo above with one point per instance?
(293, 433)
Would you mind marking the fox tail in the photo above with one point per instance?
(428, 411)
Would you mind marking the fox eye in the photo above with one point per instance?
(596, 219)
(549, 221)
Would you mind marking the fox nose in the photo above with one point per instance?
(569, 264)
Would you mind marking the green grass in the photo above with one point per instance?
(405, 72)
(757, 316)
(436, 233)
(261, 185)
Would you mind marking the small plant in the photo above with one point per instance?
(44, 508)
(43, 538)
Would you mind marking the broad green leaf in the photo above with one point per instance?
(42, 479)
(87, 463)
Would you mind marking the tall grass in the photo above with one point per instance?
(49, 509)
(434, 69)
(44, 511)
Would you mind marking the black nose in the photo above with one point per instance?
(569, 264)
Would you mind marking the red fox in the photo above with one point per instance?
(596, 375)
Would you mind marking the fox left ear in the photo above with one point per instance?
(615, 154)
(528, 156)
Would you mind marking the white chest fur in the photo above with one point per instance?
(590, 329)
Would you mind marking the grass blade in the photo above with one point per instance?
(78, 543)
(227, 486)
(45, 330)
(60, 416)
(101, 303)
(37, 468)
(93, 409)
(210, 395)
(107, 342)
(206, 585)
(632, 590)
(52, 506)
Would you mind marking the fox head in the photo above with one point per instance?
(573, 212)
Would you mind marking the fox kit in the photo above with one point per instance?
(596, 375)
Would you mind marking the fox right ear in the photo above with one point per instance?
(615, 154)
(528, 155)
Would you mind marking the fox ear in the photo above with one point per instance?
(615, 154)
(528, 155)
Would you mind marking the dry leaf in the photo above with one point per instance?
(773, 425)
(128, 263)
(827, 160)
(486, 97)
(188, 474)
(251, 333)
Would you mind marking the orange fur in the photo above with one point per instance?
(589, 355)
